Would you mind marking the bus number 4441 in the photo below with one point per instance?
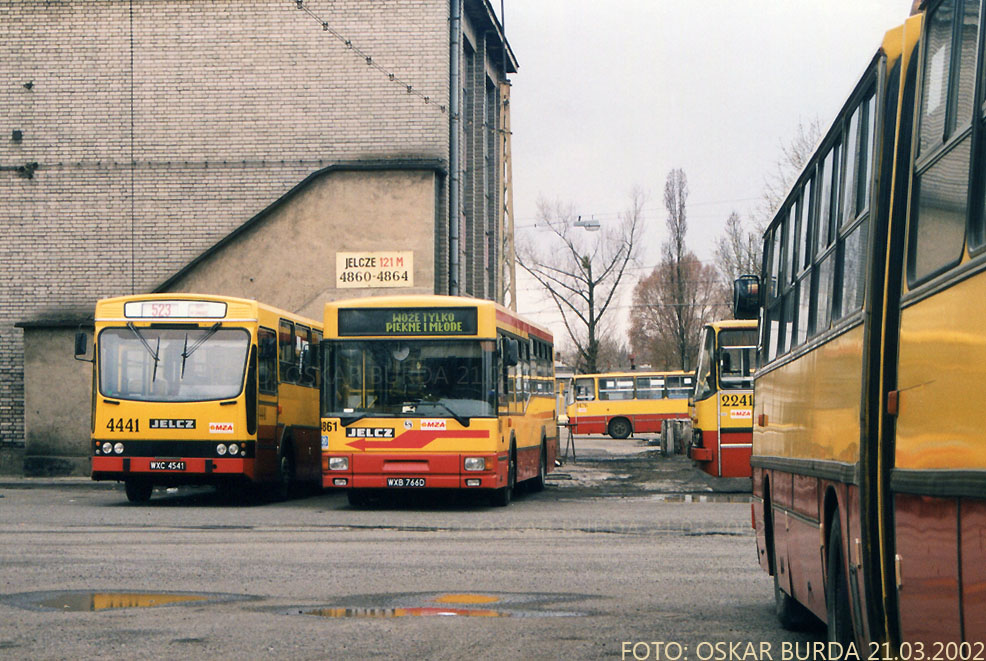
(119, 424)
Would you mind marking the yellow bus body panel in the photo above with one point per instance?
(812, 404)
(942, 370)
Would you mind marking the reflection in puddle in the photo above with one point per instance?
(466, 599)
(405, 612)
(101, 601)
(93, 601)
(702, 498)
(450, 605)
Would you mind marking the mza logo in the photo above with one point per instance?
(433, 424)
(741, 414)
(369, 432)
(220, 427)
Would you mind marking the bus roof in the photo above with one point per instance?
(240, 309)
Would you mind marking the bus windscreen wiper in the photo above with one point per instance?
(410, 406)
(458, 418)
(186, 352)
(153, 352)
(346, 420)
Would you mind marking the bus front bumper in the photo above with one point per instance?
(118, 468)
(429, 471)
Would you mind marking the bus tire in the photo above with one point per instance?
(503, 495)
(284, 486)
(138, 490)
(791, 614)
(839, 623)
(620, 428)
(537, 484)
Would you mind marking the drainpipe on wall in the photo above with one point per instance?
(455, 52)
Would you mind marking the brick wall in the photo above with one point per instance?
(158, 126)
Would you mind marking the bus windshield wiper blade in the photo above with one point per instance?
(346, 420)
(143, 340)
(458, 418)
(186, 352)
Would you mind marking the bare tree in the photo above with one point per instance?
(674, 257)
(673, 302)
(777, 184)
(582, 271)
(656, 335)
(738, 250)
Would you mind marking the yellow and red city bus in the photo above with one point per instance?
(721, 405)
(869, 456)
(625, 403)
(430, 392)
(195, 389)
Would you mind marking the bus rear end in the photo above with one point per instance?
(171, 404)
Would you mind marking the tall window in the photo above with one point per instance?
(941, 184)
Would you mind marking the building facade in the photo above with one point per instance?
(241, 147)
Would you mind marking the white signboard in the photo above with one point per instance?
(374, 269)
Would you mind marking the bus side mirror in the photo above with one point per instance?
(746, 297)
(82, 347)
(512, 349)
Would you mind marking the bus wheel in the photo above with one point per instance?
(138, 491)
(620, 428)
(285, 476)
(837, 590)
(537, 484)
(791, 614)
(503, 496)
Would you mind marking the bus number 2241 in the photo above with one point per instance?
(737, 400)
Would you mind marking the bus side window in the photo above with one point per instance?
(302, 353)
(288, 370)
(267, 364)
(315, 362)
(650, 387)
(584, 390)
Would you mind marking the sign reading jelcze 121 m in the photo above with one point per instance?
(407, 321)
(375, 269)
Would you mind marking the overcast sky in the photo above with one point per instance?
(613, 94)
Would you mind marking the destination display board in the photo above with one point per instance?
(397, 322)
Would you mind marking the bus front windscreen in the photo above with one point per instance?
(737, 358)
(172, 364)
(409, 378)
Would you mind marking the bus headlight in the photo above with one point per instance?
(220, 449)
(474, 464)
(233, 449)
(338, 463)
(118, 448)
(107, 447)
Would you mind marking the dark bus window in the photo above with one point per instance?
(285, 339)
(585, 390)
(938, 223)
(267, 363)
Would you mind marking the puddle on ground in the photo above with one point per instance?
(405, 612)
(702, 498)
(440, 604)
(93, 601)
